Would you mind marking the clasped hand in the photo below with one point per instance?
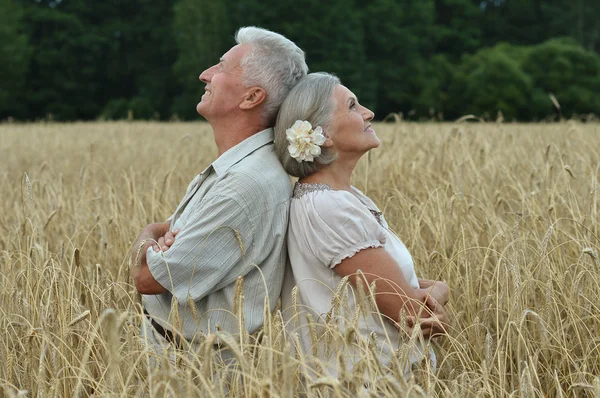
(434, 322)
(165, 241)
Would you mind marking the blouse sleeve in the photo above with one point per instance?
(334, 225)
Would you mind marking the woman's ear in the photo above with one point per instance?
(328, 141)
(253, 97)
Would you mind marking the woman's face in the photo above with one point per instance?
(350, 130)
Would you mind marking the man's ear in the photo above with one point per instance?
(253, 97)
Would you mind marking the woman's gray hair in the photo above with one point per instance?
(274, 63)
(311, 100)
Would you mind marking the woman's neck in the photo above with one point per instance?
(337, 175)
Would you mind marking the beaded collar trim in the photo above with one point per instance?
(301, 189)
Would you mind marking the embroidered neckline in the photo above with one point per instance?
(302, 188)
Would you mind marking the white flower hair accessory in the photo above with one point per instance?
(304, 141)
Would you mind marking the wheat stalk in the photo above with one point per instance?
(485, 207)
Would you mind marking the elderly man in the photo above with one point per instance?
(232, 221)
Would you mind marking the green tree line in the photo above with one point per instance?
(425, 59)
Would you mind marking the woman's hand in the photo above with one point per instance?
(434, 322)
(437, 289)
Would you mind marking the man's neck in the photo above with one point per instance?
(231, 132)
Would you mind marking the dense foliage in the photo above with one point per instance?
(525, 60)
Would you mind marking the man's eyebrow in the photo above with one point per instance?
(222, 60)
(350, 99)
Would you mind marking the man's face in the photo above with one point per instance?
(224, 85)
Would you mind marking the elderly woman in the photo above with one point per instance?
(335, 231)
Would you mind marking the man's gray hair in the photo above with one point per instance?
(311, 100)
(274, 63)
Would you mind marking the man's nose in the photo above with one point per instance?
(207, 74)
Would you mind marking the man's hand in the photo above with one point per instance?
(142, 277)
(166, 241)
(437, 289)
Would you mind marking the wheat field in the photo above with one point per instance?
(507, 214)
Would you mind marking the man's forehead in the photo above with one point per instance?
(236, 53)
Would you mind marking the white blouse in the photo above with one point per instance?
(326, 226)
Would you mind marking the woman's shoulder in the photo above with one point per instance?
(364, 199)
(332, 224)
(333, 207)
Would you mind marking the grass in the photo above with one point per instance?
(507, 214)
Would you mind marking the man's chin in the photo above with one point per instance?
(200, 109)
